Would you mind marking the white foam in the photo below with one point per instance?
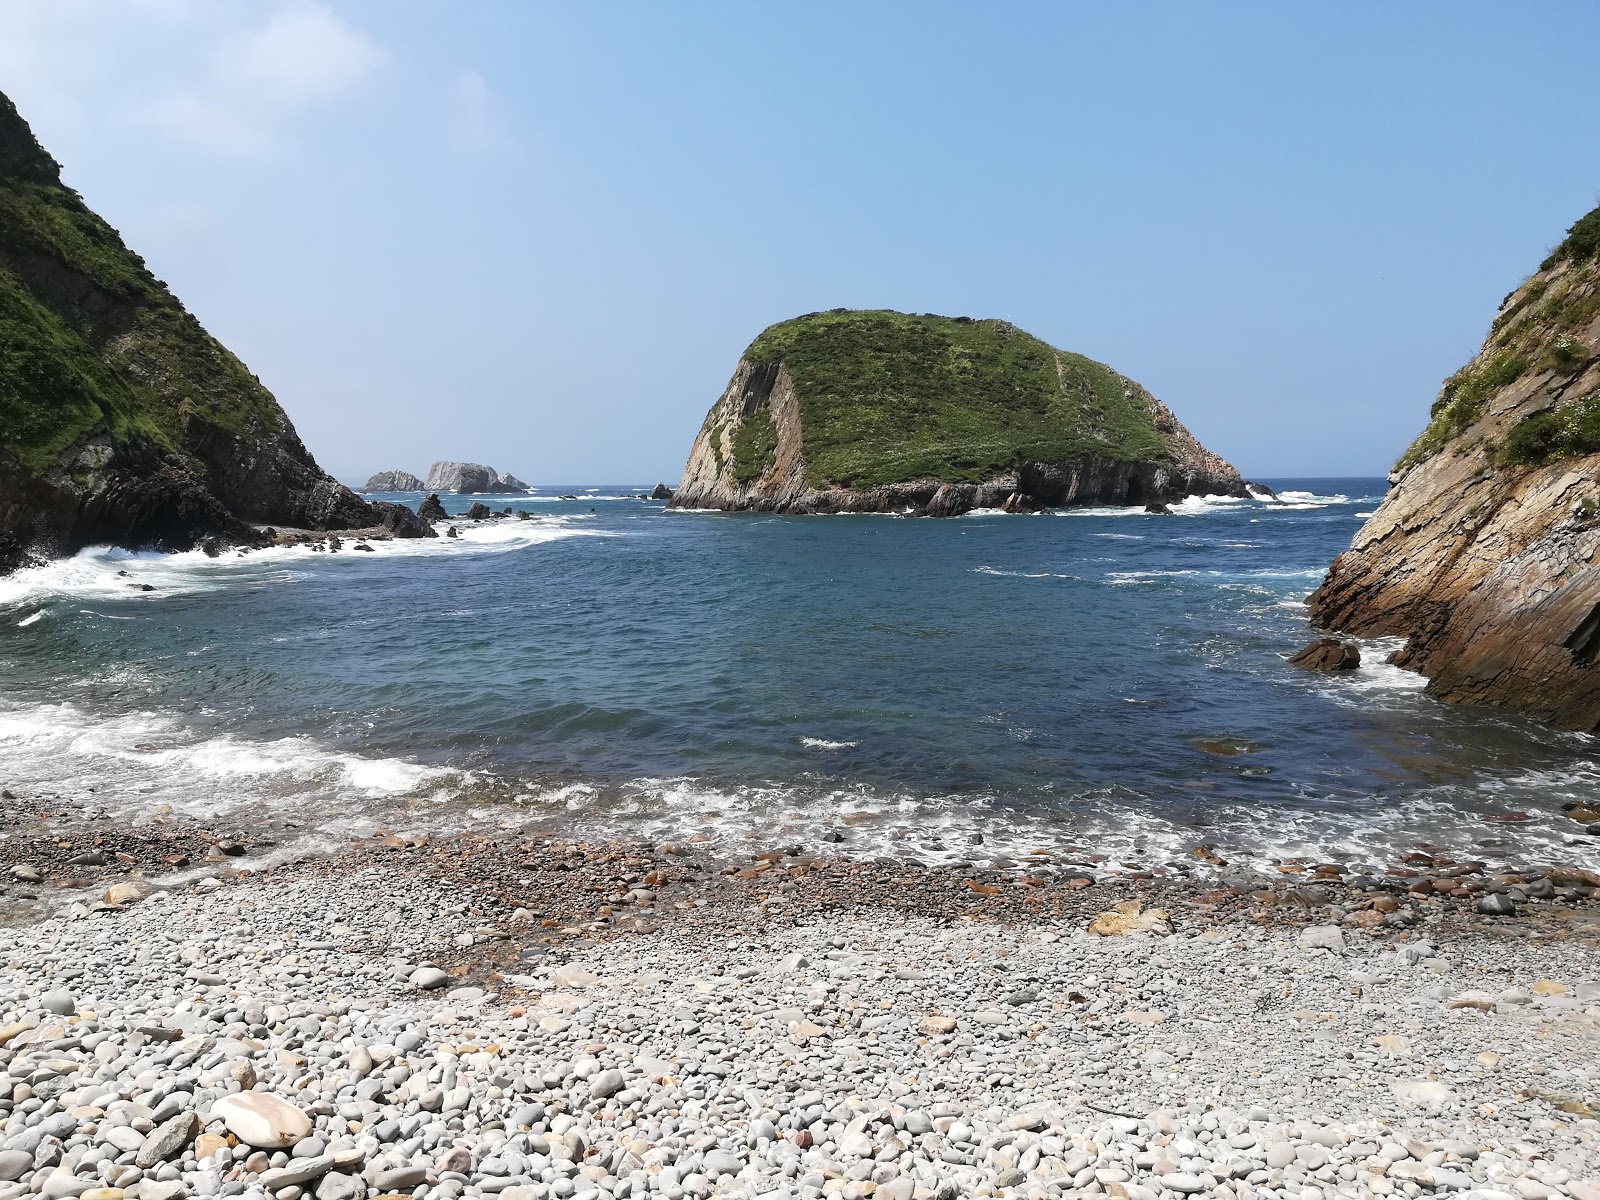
(61, 745)
(812, 743)
(38, 616)
(1124, 827)
(1151, 576)
(102, 573)
(1021, 574)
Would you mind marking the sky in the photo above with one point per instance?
(538, 235)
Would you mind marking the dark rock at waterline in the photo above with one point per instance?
(479, 511)
(1328, 654)
(661, 492)
(14, 557)
(401, 521)
(1158, 510)
(451, 532)
(1261, 491)
(431, 509)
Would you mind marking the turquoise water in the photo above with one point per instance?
(1089, 681)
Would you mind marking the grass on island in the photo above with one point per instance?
(887, 397)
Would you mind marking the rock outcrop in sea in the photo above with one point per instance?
(121, 419)
(878, 411)
(469, 478)
(1485, 554)
(393, 481)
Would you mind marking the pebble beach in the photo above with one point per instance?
(557, 1020)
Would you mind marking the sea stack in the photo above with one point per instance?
(121, 419)
(467, 479)
(393, 481)
(1485, 554)
(878, 411)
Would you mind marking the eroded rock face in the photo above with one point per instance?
(467, 479)
(1485, 554)
(764, 397)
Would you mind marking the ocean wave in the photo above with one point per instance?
(107, 573)
(1021, 574)
(136, 754)
(137, 759)
(1109, 829)
(1124, 578)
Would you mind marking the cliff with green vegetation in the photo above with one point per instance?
(1485, 554)
(876, 411)
(121, 419)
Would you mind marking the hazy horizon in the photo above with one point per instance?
(538, 236)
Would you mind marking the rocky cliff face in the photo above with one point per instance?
(121, 419)
(469, 478)
(886, 412)
(1485, 554)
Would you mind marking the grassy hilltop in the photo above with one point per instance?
(887, 397)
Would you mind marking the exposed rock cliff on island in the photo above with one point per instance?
(878, 411)
(469, 478)
(1485, 554)
(121, 419)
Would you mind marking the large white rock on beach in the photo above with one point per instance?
(262, 1120)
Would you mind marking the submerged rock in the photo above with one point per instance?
(889, 412)
(1482, 553)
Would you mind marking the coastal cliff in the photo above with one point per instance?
(878, 411)
(1485, 554)
(121, 419)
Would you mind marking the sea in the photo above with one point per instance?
(1088, 684)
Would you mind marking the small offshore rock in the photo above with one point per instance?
(1328, 654)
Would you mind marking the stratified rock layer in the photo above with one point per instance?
(1485, 554)
(121, 419)
(885, 412)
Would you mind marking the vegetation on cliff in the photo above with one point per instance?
(121, 418)
(887, 397)
(114, 349)
(1538, 332)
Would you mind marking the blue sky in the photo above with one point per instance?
(538, 235)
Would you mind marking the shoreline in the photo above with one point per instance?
(544, 1018)
(57, 850)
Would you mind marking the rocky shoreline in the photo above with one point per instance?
(537, 1017)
